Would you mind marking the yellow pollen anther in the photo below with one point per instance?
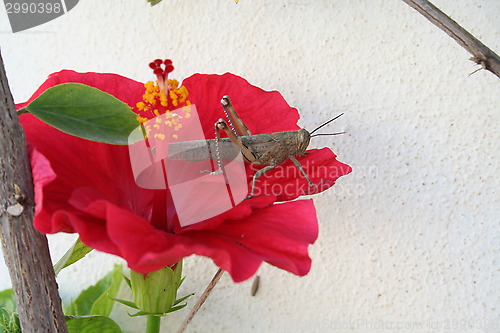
(174, 84)
(160, 98)
(140, 105)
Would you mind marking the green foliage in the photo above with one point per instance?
(90, 311)
(8, 300)
(91, 324)
(87, 314)
(9, 321)
(97, 299)
(154, 2)
(174, 308)
(75, 253)
(104, 304)
(85, 112)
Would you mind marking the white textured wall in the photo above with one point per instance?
(411, 237)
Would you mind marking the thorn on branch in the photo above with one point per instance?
(481, 61)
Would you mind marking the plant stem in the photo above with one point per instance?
(482, 55)
(202, 300)
(153, 324)
(25, 250)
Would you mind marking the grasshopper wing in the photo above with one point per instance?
(203, 150)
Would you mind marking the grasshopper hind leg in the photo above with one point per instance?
(236, 122)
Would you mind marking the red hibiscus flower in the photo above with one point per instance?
(89, 188)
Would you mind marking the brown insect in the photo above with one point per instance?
(269, 149)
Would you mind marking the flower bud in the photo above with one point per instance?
(156, 292)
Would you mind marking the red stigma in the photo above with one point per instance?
(161, 68)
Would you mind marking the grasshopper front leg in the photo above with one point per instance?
(270, 167)
(298, 165)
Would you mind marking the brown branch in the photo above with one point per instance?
(25, 250)
(481, 54)
(202, 300)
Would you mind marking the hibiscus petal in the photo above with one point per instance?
(42, 175)
(93, 231)
(242, 210)
(262, 111)
(287, 182)
(278, 234)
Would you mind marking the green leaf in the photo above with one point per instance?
(104, 304)
(85, 112)
(8, 300)
(175, 308)
(92, 324)
(144, 313)
(83, 304)
(125, 302)
(4, 320)
(75, 253)
(140, 313)
(127, 280)
(15, 324)
(154, 2)
(183, 299)
(9, 322)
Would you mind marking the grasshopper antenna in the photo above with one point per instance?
(329, 121)
(338, 133)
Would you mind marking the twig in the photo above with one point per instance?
(481, 54)
(26, 251)
(202, 300)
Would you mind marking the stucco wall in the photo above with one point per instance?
(411, 237)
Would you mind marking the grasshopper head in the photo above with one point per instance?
(303, 138)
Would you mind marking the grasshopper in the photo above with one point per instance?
(269, 149)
